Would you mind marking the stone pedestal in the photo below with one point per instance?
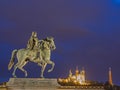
(32, 84)
(42, 84)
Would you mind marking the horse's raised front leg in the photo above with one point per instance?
(52, 63)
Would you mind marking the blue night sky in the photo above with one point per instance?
(86, 35)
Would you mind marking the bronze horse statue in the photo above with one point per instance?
(25, 55)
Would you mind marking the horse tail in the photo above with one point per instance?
(11, 63)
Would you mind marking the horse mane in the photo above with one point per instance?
(48, 39)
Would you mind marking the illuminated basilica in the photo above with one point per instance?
(77, 78)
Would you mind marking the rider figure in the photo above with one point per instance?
(33, 42)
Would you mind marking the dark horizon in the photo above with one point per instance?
(86, 34)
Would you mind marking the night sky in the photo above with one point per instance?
(86, 33)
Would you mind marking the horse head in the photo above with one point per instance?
(47, 43)
(51, 43)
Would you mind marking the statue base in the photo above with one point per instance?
(42, 84)
(32, 84)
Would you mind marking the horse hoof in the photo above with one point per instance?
(42, 76)
(15, 76)
(49, 70)
(26, 75)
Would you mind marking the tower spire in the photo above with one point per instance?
(83, 74)
(70, 73)
(110, 76)
(76, 71)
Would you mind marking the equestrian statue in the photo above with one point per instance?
(37, 51)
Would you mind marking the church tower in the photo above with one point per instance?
(83, 74)
(110, 77)
(76, 71)
(70, 73)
